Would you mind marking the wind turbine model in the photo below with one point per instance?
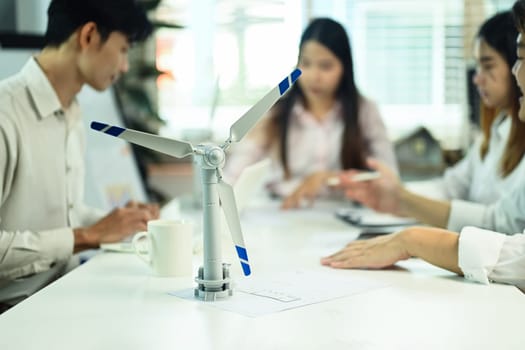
(213, 280)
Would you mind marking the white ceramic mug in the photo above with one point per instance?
(170, 247)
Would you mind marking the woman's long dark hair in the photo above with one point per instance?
(333, 36)
(500, 33)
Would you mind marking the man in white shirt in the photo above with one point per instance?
(478, 254)
(43, 219)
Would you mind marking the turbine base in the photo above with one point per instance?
(211, 290)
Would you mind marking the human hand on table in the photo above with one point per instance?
(307, 191)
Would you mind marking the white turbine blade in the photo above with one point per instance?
(179, 149)
(232, 218)
(250, 118)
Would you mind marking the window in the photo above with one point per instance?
(231, 53)
(410, 56)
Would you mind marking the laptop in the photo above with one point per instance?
(250, 182)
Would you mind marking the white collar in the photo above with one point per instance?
(501, 126)
(42, 92)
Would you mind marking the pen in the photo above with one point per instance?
(364, 176)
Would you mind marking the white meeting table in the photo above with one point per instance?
(114, 302)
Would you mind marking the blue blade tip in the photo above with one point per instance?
(98, 126)
(115, 131)
(246, 269)
(241, 253)
(295, 74)
(283, 86)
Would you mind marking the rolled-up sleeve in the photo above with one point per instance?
(507, 215)
(24, 253)
(491, 256)
(478, 253)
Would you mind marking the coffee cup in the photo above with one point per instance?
(170, 247)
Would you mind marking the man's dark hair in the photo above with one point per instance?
(125, 16)
(518, 12)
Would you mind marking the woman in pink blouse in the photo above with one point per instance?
(321, 126)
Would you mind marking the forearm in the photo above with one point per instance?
(84, 239)
(324, 175)
(426, 210)
(436, 246)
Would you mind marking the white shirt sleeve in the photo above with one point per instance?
(507, 215)
(457, 179)
(464, 213)
(491, 256)
(24, 253)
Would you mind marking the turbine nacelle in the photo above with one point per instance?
(210, 156)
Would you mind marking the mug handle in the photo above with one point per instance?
(135, 243)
